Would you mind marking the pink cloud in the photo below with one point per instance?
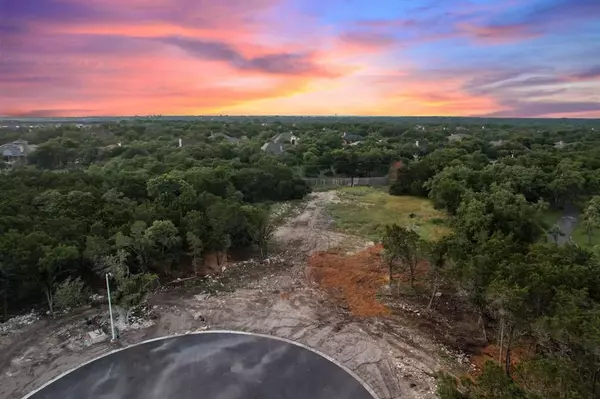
(496, 34)
(242, 56)
(369, 41)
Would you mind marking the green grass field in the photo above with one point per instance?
(364, 210)
(580, 236)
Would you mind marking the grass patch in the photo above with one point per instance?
(363, 210)
(579, 234)
(550, 217)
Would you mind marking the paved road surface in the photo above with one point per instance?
(209, 366)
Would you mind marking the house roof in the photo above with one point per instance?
(275, 148)
(456, 136)
(276, 144)
(18, 148)
(352, 137)
(233, 140)
(10, 150)
(282, 137)
(497, 143)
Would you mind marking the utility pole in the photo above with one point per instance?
(112, 324)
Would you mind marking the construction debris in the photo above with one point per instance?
(15, 324)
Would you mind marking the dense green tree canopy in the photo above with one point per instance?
(122, 196)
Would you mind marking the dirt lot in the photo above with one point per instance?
(389, 352)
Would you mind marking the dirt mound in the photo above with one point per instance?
(352, 279)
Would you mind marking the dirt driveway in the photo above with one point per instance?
(396, 360)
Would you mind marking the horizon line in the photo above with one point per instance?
(159, 116)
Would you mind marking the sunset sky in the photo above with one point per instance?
(516, 58)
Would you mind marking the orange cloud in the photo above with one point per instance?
(168, 83)
(411, 93)
(399, 93)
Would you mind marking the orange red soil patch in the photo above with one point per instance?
(352, 279)
(521, 352)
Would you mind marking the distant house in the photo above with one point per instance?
(288, 137)
(498, 143)
(456, 137)
(559, 144)
(229, 139)
(274, 148)
(187, 141)
(420, 145)
(279, 143)
(351, 139)
(16, 151)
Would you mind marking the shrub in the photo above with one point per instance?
(71, 293)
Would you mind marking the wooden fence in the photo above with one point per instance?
(332, 182)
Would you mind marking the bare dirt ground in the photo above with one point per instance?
(389, 353)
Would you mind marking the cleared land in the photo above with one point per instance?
(397, 354)
(363, 210)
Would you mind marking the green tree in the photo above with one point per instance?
(227, 224)
(481, 214)
(6, 277)
(50, 155)
(493, 384)
(567, 182)
(131, 289)
(507, 301)
(447, 188)
(170, 191)
(437, 253)
(392, 247)
(96, 248)
(196, 249)
(55, 262)
(400, 243)
(163, 236)
(136, 243)
(555, 232)
(71, 293)
(591, 217)
(411, 247)
(261, 226)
